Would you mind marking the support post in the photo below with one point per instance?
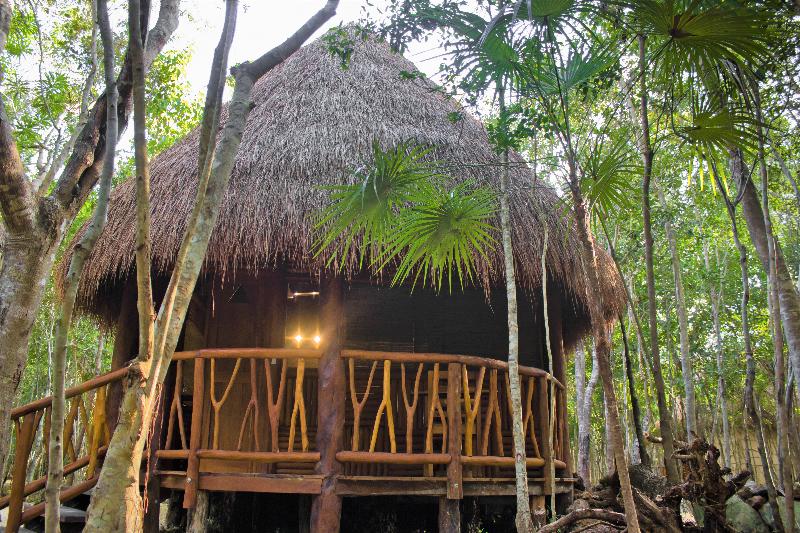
(455, 487)
(326, 508)
(125, 338)
(193, 463)
(560, 373)
(25, 433)
(449, 515)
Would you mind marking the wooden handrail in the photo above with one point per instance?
(86, 386)
(38, 484)
(248, 353)
(469, 360)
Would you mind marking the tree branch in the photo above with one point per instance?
(16, 200)
(85, 163)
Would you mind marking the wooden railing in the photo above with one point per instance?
(285, 435)
(408, 414)
(449, 414)
(85, 440)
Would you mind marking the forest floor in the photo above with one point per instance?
(710, 498)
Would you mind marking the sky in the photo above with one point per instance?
(261, 25)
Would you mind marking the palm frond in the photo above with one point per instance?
(440, 236)
(610, 172)
(547, 79)
(713, 129)
(365, 209)
(697, 37)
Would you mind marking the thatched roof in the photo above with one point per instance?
(312, 124)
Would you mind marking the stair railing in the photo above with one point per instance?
(85, 420)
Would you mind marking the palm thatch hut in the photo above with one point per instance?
(312, 124)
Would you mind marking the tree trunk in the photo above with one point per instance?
(683, 322)
(55, 462)
(749, 399)
(35, 226)
(644, 457)
(523, 517)
(596, 313)
(782, 418)
(788, 296)
(584, 408)
(664, 414)
(120, 472)
(716, 297)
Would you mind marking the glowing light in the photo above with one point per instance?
(317, 339)
(298, 338)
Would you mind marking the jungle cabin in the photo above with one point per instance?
(323, 384)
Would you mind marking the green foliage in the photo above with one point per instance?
(693, 36)
(401, 212)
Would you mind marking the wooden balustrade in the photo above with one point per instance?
(451, 413)
(477, 436)
(85, 441)
(280, 391)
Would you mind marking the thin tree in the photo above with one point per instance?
(664, 414)
(781, 404)
(55, 462)
(749, 396)
(119, 477)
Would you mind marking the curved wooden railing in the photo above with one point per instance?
(465, 420)
(408, 414)
(85, 441)
(284, 395)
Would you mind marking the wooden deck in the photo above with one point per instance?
(253, 420)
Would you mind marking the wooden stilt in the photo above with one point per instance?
(125, 338)
(326, 508)
(449, 515)
(538, 511)
(560, 373)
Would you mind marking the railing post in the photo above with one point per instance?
(326, 507)
(25, 433)
(193, 464)
(455, 487)
(543, 416)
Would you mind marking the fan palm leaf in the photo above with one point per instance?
(696, 38)
(442, 234)
(365, 209)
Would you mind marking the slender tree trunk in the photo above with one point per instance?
(683, 320)
(55, 462)
(523, 519)
(665, 416)
(784, 458)
(596, 313)
(584, 407)
(788, 296)
(716, 297)
(552, 415)
(749, 397)
(117, 478)
(644, 457)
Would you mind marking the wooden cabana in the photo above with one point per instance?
(294, 378)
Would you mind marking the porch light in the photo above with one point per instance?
(317, 339)
(298, 338)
